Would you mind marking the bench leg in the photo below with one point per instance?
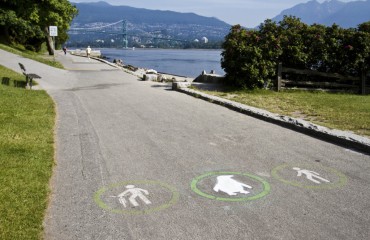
(26, 81)
(29, 81)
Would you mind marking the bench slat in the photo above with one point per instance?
(32, 75)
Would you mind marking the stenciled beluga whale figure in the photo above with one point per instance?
(230, 186)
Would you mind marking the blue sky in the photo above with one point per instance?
(248, 13)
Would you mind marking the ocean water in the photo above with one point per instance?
(189, 63)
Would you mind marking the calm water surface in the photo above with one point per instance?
(181, 62)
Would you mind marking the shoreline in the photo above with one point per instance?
(188, 63)
(178, 63)
(141, 72)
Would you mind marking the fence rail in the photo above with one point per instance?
(325, 81)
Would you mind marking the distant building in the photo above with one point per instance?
(196, 40)
(204, 40)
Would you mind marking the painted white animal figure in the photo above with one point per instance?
(226, 184)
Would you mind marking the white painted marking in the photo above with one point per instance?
(230, 186)
(310, 175)
(135, 193)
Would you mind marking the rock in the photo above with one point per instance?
(178, 85)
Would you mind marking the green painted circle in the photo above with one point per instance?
(266, 187)
(102, 204)
(342, 178)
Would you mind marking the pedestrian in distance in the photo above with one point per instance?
(88, 51)
(65, 50)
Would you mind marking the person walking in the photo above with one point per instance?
(88, 51)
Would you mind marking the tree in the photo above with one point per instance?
(249, 57)
(58, 13)
(364, 27)
(14, 27)
(292, 34)
(316, 49)
(232, 54)
(27, 21)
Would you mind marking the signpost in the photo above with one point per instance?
(53, 32)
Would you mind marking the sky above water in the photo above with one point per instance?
(248, 13)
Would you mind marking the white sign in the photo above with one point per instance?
(230, 186)
(53, 30)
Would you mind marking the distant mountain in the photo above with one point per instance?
(327, 13)
(104, 12)
(156, 23)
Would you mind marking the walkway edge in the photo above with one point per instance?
(338, 137)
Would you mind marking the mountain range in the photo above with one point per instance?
(346, 15)
(160, 28)
(150, 23)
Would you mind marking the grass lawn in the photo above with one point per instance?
(340, 111)
(42, 58)
(26, 157)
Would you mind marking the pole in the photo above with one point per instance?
(278, 76)
(54, 44)
(124, 33)
(363, 82)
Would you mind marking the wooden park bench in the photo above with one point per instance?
(29, 76)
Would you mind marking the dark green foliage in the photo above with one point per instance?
(249, 57)
(243, 59)
(26, 22)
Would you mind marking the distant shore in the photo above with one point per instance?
(146, 73)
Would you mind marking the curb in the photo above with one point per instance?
(106, 62)
(98, 59)
(338, 137)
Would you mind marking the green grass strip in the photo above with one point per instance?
(349, 112)
(27, 121)
(42, 58)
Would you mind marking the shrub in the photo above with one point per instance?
(249, 57)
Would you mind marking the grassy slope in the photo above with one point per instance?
(46, 59)
(26, 158)
(340, 111)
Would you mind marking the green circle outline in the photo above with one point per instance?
(102, 204)
(266, 187)
(342, 178)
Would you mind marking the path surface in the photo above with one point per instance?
(136, 160)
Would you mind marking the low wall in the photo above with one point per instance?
(79, 52)
(209, 78)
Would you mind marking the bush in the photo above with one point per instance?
(249, 57)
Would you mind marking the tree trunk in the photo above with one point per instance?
(5, 36)
(49, 42)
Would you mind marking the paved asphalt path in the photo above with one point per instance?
(136, 160)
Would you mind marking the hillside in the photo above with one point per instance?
(345, 15)
(148, 23)
(104, 12)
